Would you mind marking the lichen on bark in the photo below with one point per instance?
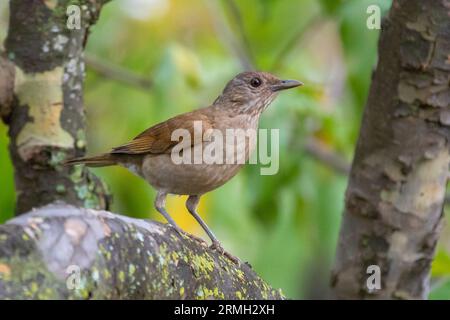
(114, 257)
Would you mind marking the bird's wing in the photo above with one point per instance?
(158, 139)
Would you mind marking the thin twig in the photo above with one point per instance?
(227, 37)
(117, 73)
(319, 152)
(290, 45)
(237, 17)
(335, 161)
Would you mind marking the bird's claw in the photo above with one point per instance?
(198, 239)
(216, 246)
(176, 228)
(182, 233)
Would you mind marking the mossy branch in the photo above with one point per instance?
(63, 252)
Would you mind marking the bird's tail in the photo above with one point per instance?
(96, 161)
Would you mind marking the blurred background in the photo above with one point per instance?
(148, 60)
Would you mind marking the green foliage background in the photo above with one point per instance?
(285, 225)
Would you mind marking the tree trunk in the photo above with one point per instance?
(44, 109)
(398, 179)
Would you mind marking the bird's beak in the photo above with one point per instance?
(286, 84)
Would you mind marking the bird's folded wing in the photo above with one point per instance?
(158, 139)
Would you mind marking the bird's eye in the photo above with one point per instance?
(255, 82)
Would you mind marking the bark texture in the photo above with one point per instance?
(63, 252)
(42, 101)
(397, 184)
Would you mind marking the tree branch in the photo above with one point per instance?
(326, 156)
(63, 252)
(245, 42)
(117, 73)
(397, 185)
(280, 58)
(228, 38)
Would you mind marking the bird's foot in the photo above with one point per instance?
(176, 228)
(218, 247)
(183, 233)
(198, 239)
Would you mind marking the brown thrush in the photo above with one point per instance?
(149, 155)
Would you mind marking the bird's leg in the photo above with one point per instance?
(160, 203)
(191, 205)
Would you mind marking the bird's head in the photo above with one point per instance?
(252, 92)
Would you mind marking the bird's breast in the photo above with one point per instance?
(206, 165)
(185, 178)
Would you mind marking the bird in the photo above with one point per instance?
(150, 155)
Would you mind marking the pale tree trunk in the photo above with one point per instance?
(44, 70)
(61, 249)
(396, 190)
